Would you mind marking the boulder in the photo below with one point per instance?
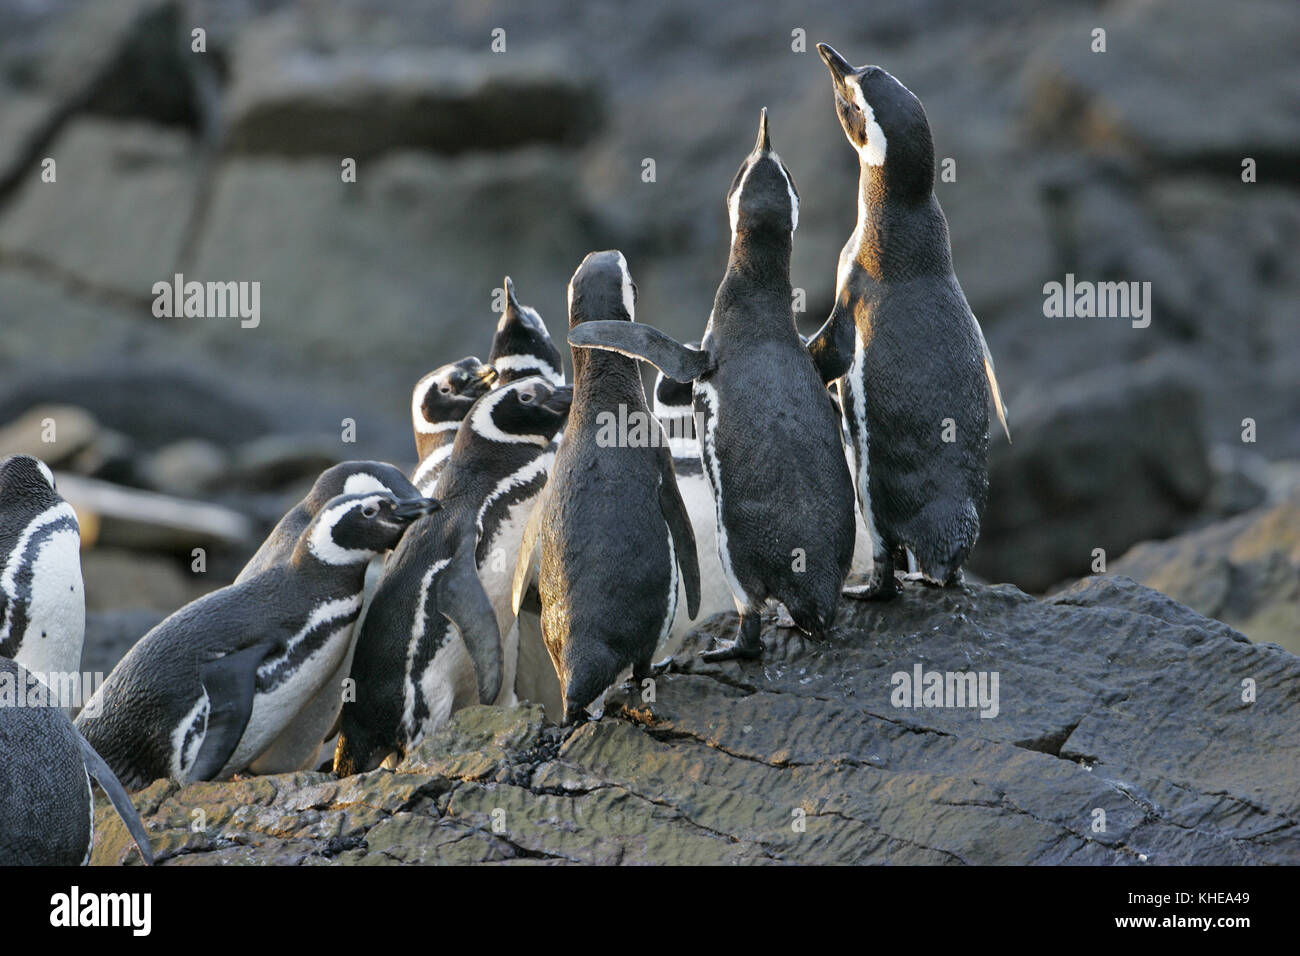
(1121, 736)
(1244, 571)
(1103, 460)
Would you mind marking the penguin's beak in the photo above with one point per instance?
(762, 145)
(412, 508)
(561, 399)
(839, 67)
(486, 375)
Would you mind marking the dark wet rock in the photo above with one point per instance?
(1245, 571)
(1104, 460)
(1112, 697)
(300, 90)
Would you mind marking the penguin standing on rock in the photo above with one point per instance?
(42, 599)
(784, 531)
(207, 691)
(439, 403)
(47, 807)
(432, 642)
(611, 528)
(916, 374)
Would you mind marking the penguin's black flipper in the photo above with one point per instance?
(462, 600)
(229, 681)
(109, 783)
(645, 343)
(679, 525)
(832, 347)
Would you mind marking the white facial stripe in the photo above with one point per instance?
(789, 188)
(362, 482)
(873, 153)
(481, 421)
(45, 470)
(519, 363)
(629, 302)
(322, 542)
(733, 204)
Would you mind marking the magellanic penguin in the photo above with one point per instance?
(915, 370)
(610, 532)
(673, 407)
(42, 599)
(295, 748)
(770, 435)
(439, 403)
(522, 344)
(433, 640)
(204, 693)
(47, 807)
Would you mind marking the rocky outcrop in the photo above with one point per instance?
(1244, 571)
(1123, 734)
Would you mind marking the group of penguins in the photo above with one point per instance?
(528, 556)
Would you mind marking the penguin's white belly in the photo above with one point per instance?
(298, 745)
(274, 710)
(497, 576)
(715, 594)
(447, 685)
(56, 607)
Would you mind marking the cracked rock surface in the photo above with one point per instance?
(1125, 733)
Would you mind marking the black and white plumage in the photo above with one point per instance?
(911, 357)
(47, 806)
(770, 436)
(673, 408)
(437, 635)
(42, 598)
(203, 694)
(439, 403)
(298, 747)
(610, 532)
(522, 346)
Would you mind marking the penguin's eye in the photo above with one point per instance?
(370, 511)
(444, 388)
(526, 397)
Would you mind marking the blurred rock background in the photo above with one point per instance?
(225, 165)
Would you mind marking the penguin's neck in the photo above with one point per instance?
(429, 442)
(603, 379)
(343, 579)
(897, 236)
(465, 479)
(761, 261)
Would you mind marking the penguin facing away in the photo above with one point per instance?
(439, 403)
(433, 640)
(42, 598)
(784, 532)
(610, 532)
(522, 344)
(204, 693)
(47, 806)
(915, 371)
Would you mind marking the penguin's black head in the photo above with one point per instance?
(602, 288)
(356, 477)
(352, 529)
(522, 346)
(763, 198)
(884, 122)
(27, 480)
(445, 395)
(672, 398)
(529, 411)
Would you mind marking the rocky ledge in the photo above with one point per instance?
(1128, 729)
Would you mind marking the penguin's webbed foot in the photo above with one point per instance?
(884, 588)
(732, 651)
